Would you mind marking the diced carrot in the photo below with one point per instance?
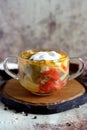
(48, 87)
(52, 73)
(64, 68)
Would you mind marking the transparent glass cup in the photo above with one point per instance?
(43, 77)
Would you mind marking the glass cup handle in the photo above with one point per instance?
(80, 62)
(6, 68)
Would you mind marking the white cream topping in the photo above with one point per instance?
(51, 55)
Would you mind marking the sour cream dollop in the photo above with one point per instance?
(51, 55)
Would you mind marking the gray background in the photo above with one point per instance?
(48, 24)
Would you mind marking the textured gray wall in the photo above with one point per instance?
(57, 24)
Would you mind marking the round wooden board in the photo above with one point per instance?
(15, 91)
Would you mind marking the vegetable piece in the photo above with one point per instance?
(52, 74)
(64, 68)
(48, 87)
(29, 85)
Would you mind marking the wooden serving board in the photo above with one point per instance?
(14, 90)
